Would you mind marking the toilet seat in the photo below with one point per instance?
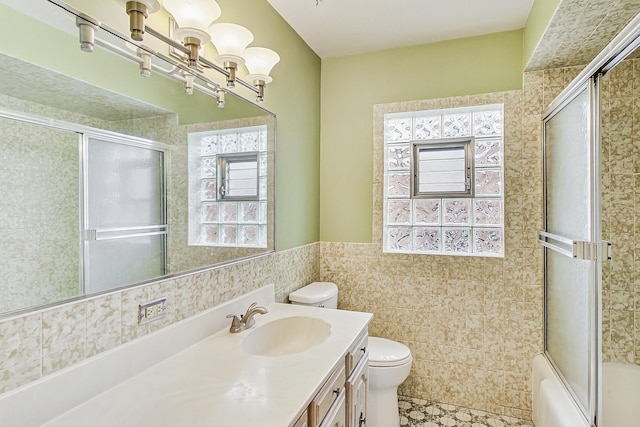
(387, 353)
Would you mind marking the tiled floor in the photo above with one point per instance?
(424, 413)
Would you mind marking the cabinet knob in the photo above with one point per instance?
(361, 421)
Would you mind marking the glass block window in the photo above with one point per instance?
(228, 187)
(463, 221)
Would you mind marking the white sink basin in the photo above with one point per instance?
(288, 335)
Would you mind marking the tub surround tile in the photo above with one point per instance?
(621, 211)
(579, 30)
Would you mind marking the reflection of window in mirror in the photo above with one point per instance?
(228, 187)
(238, 176)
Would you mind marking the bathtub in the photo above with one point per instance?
(552, 405)
(620, 395)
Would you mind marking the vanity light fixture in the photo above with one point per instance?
(138, 12)
(193, 18)
(230, 41)
(260, 61)
(190, 29)
(87, 32)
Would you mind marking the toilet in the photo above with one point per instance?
(389, 361)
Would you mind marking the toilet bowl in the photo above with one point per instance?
(389, 361)
(389, 366)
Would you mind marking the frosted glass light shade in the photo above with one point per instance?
(230, 41)
(260, 61)
(193, 16)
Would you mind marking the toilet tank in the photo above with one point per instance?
(316, 294)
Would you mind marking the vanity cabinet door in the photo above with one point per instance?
(357, 392)
(336, 417)
(357, 350)
(303, 421)
(327, 396)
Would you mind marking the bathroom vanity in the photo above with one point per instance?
(277, 373)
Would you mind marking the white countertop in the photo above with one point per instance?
(216, 383)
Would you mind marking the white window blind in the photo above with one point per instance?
(441, 170)
(241, 178)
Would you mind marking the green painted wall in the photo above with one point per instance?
(539, 18)
(294, 96)
(352, 85)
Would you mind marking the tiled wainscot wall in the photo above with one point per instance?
(621, 213)
(46, 341)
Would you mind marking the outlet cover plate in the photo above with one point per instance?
(152, 310)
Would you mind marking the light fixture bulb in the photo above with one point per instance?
(138, 12)
(86, 32)
(230, 41)
(260, 61)
(193, 18)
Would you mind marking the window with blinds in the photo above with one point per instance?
(228, 187)
(238, 176)
(444, 181)
(442, 168)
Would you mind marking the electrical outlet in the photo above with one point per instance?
(152, 310)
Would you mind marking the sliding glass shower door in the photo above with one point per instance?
(571, 248)
(124, 221)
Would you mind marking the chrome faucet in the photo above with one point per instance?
(245, 321)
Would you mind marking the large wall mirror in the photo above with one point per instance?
(110, 179)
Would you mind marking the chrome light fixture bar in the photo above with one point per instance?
(190, 66)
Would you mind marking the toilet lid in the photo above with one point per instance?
(384, 352)
(314, 293)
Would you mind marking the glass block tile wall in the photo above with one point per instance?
(457, 226)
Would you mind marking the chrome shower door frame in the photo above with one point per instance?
(590, 250)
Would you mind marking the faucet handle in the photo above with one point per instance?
(235, 323)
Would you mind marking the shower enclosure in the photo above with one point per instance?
(591, 168)
(124, 221)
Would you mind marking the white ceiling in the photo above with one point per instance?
(346, 27)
